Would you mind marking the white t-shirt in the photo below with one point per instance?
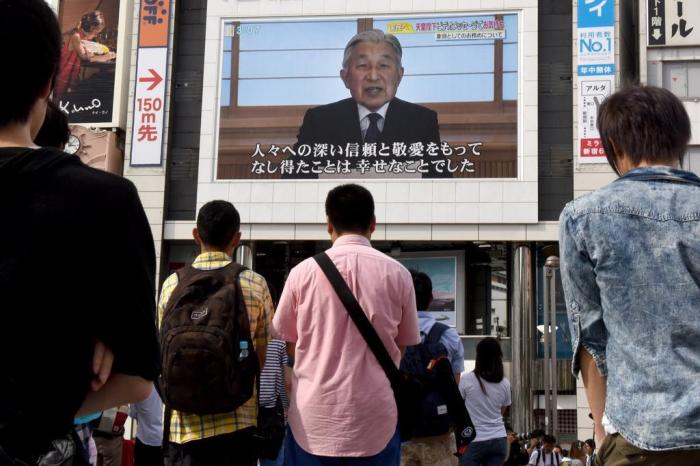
(545, 459)
(485, 410)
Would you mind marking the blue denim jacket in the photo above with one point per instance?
(630, 265)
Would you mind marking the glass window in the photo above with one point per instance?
(226, 68)
(682, 78)
(487, 290)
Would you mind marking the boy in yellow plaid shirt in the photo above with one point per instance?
(224, 438)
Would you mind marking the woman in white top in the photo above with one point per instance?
(486, 394)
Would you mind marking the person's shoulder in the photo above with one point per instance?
(600, 200)
(99, 183)
(252, 279)
(332, 108)
(451, 331)
(412, 108)
(392, 265)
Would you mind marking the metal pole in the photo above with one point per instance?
(244, 255)
(547, 381)
(552, 264)
(522, 341)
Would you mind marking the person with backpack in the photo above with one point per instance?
(546, 455)
(486, 393)
(215, 321)
(432, 443)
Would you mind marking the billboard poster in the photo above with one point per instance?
(294, 105)
(595, 73)
(673, 22)
(443, 275)
(85, 83)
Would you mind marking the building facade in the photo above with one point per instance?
(214, 93)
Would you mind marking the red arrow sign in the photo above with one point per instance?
(154, 79)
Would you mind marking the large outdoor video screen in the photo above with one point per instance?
(292, 105)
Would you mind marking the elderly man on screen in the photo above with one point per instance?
(372, 72)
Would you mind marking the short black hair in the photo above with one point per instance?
(217, 223)
(350, 208)
(646, 123)
(424, 289)
(55, 130)
(549, 439)
(33, 61)
(591, 443)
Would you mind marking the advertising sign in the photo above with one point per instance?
(85, 83)
(673, 22)
(596, 73)
(293, 105)
(149, 95)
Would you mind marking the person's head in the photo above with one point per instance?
(548, 443)
(91, 24)
(26, 82)
(589, 446)
(489, 360)
(350, 210)
(218, 227)
(557, 449)
(55, 130)
(424, 289)
(577, 450)
(372, 68)
(643, 126)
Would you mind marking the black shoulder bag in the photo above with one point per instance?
(408, 391)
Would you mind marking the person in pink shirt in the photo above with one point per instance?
(342, 405)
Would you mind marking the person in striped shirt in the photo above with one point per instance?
(274, 378)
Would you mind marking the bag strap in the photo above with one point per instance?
(663, 177)
(358, 316)
(435, 333)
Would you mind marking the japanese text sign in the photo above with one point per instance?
(673, 22)
(149, 96)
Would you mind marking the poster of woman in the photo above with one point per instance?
(84, 86)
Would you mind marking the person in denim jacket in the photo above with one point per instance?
(630, 265)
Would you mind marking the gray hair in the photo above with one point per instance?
(376, 36)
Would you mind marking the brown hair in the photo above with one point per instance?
(91, 21)
(646, 124)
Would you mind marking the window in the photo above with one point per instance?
(682, 78)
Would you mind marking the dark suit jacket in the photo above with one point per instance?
(338, 124)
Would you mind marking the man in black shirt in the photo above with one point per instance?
(77, 261)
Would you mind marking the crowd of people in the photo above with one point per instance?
(348, 367)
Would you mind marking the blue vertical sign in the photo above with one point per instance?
(596, 13)
(596, 72)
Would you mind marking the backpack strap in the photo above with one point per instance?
(539, 454)
(435, 333)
